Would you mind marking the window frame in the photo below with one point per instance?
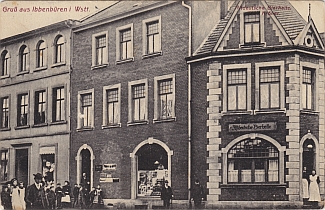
(145, 37)
(261, 42)
(53, 103)
(80, 115)
(105, 106)
(23, 59)
(157, 117)
(315, 87)
(5, 64)
(230, 67)
(44, 103)
(62, 47)
(41, 55)
(119, 30)
(6, 161)
(131, 120)
(2, 111)
(19, 109)
(94, 50)
(258, 66)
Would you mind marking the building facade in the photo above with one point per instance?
(261, 72)
(129, 101)
(34, 98)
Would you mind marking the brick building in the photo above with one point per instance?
(260, 75)
(129, 101)
(34, 99)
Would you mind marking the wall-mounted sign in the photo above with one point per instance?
(244, 127)
(107, 177)
(108, 166)
(98, 167)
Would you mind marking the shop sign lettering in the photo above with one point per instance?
(244, 127)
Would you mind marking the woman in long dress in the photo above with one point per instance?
(314, 195)
(17, 195)
(305, 190)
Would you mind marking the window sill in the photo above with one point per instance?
(22, 72)
(39, 125)
(99, 66)
(145, 122)
(312, 112)
(5, 129)
(118, 125)
(172, 119)
(5, 76)
(22, 127)
(85, 129)
(40, 68)
(58, 122)
(152, 55)
(251, 185)
(58, 64)
(270, 111)
(252, 45)
(250, 112)
(124, 61)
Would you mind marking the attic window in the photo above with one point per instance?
(252, 27)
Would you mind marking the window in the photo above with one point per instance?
(59, 50)
(22, 112)
(40, 107)
(4, 165)
(252, 27)
(100, 49)
(41, 55)
(237, 89)
(152, 36)
(269, 87)
(111, 105)
(23, 58)
(86, 109)
(165, 97)
(5, 63)
(253, 161)
(58, 112)
(307, 88)
(4, 112)
(124, 43)
(138, 101)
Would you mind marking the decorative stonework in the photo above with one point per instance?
(293, 127)
(213, 147)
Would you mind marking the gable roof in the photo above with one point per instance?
(289, 20)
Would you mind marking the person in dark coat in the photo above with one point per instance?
(5, 197)
(66, 190)
(197, 194)
(59, 195)
(35, 194)
(92, 195)
(166, 195)
(51, 197)
(85, 181)
(83, 196)
(75, 195)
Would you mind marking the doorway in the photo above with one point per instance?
(308, 156)
(85, 167)
(21, 165)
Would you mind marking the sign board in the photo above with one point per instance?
(106, 177)
(98, 167)
(244, 127)
(108, 166)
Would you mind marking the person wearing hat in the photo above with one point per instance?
(197, 194)
(35, 194)
(166, 195)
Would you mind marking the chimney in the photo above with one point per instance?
(223, 8)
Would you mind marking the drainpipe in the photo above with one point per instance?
(189, 96)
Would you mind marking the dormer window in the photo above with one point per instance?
(252, 27)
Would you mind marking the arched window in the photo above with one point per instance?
(41, 56)
(253, 161)
(23, 58)
(59, 50)
(4, 63)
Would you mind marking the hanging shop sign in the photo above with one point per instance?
(249, 127)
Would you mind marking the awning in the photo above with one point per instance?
(47, 150)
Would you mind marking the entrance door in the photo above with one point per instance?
(308, 156)
(21, 165)
(85, 167)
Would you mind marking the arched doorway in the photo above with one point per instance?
(85, 164)
(308, 156)
(151, 166)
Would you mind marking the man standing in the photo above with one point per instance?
(35, 195)
(197, 194)
(166, 195)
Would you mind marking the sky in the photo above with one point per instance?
(14, 22)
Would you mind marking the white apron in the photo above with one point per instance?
(313, 189)
(305, 190)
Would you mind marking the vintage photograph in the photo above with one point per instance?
(162, 104)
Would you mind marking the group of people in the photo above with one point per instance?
(310, 187)
(44, 195)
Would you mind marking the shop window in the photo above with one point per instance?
(40, 107)
(307, 89)
(269, 88)
(253, 161)
(5, 61)
(22, 110)
(48, 163)
(152, 169)
(4, 165)
(237, 89)
(4, 112)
